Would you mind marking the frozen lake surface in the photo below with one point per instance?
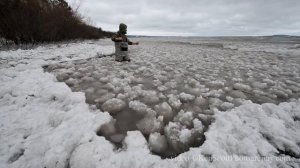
(173, 86)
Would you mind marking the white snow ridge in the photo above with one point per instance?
(176, 104)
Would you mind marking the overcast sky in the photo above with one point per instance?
(194, 17)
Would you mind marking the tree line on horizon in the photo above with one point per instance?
(37, 21)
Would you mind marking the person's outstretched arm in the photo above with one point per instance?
(132, 43)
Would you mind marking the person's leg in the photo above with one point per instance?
(127, 58)
(119, 58)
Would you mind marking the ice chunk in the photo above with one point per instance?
(88, 79)
(272, 96)
(139, 107)
(279, 93)
(109, 86)
(184, 97)
(174, 101)
(157, 83)
(200, 101)
(134, 92)
(226, 106)
(83, 70)
(102, 91)
(117, 138)
(117, 89)
(165, 110)
(113, 105)
(136, 80)
(168, 68)
(198, 126)
(104, 79)
(105, 97)
(62, 76)
(214, 102)
(266, 99)
(177, 139)
(237, 79)
(237, 94)
(158, 143)
(172, 131)
(90, 90)
(290, 82)
(196, 91)
(269, 81)
(71, 82)
(216, 83)
(171, 84)
(214, 93)
(195, 109)
(135, 140)
(229, 98)
(108, 129)
(259, 92)
(78, 75)
(227, 89)
(121, 96)
(185, 136)
(161, 96)
(150, 124)
(237, 101)
(185, 118)
(206, 119)
(96, 75)
(242, 87)
(294, 88)
(162, 88)
(161, 78)
(193, 83)
(259, 85)
(150, 97)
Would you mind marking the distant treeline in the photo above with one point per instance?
(35, 21)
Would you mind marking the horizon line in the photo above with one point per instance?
(278, 35)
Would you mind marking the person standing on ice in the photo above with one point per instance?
(121, 43)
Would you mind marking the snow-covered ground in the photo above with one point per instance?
(173, 92)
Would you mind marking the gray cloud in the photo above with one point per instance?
(196, 17)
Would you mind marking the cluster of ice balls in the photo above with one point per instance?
(165, 128)
(175, 98)
(163, 119)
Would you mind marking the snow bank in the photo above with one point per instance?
(255, 130)
(42, 120)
